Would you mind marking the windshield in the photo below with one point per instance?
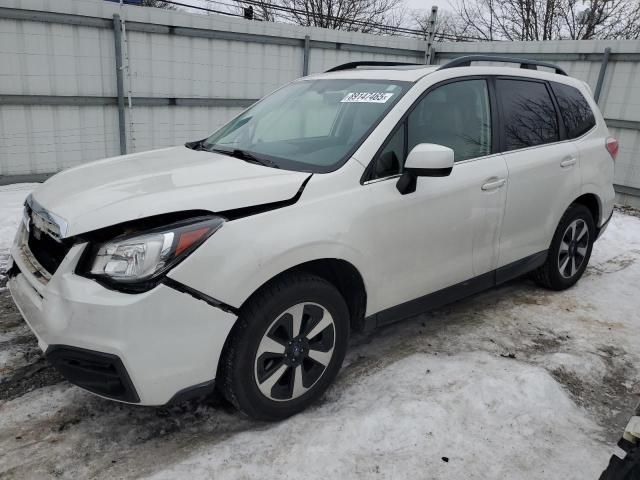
(310, 125)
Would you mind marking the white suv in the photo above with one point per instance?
(345, 200)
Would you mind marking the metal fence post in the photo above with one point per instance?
(305, 58)
(603, 70)
(431, 33)
(117, 34)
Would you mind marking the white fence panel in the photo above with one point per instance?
(177, 66)
(53, 59)
(44, 139)
(60, 58)
(157, 127)
(188, 74)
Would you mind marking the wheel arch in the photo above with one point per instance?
(342, 274)
(593, 203)
(588, 199)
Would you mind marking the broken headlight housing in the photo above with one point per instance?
(132, 261)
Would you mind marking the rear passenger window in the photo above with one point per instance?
(528, 114)
(574, 109)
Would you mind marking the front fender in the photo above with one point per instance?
(245, 254)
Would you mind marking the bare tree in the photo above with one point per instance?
(507, 19)
(449, 26)
(158, 4)
(549, 19)
(602, 19)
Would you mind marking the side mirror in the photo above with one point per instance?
(425, 160)
(430, 160)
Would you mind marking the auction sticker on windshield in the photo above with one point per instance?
(366, 97)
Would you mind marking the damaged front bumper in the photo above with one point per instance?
(149, 348)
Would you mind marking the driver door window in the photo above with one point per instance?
(456, 115)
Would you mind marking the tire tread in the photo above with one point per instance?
(249, 311)
(543, 274)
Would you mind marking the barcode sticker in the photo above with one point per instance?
(366, 97)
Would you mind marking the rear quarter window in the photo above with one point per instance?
(528, 114)
(576, 113)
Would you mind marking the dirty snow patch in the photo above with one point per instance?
(489, 417)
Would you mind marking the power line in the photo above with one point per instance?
(204, 9)
(213, 10)
(380, 26)
(352, 22)
(362, 23)
(256, 15)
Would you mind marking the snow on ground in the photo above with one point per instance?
(11, 201)
(481, 412)
(517, 382)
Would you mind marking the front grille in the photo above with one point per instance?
(98, 372)
(46, 250)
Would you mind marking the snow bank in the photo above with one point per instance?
(469, 416)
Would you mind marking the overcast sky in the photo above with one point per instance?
(427, 4)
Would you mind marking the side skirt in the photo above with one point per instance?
(456, 292)
(520, 267)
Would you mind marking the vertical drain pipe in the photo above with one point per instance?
(430, 35)
(117, 34)
(305, 58)
(603, 70)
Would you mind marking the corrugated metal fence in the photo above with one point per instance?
(187, 75)
(62, 76)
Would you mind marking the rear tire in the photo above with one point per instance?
(286, 347)
(570, 250)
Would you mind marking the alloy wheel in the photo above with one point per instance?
(295, 351)
(573, 248)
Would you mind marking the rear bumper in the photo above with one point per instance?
(142, 348)
(604, 226)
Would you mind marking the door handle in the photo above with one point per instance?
(494, 184)
(568, 162)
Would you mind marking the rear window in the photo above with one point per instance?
(529, 115)
(576, 113)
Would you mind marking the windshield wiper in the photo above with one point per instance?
(246, 156)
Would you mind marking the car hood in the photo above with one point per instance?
(107, 192)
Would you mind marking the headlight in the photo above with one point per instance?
(141, 257)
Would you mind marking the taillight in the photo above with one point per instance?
(612, 147)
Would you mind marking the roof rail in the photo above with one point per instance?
(526, 63)
(352, 65)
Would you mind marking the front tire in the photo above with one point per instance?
(286, 348)
(570, 250)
